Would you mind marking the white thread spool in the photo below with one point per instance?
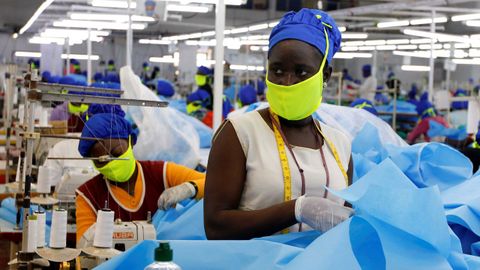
(44, 179)
(104, 229)
(32, 233)
(58, 231)
(41, 219)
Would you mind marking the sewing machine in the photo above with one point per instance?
(128, 234)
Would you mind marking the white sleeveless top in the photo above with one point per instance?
(264, 185)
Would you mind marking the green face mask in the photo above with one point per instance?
(298, 101)
(200, 80)
(77, 109)
(119, 170)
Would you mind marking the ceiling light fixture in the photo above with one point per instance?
(188, 8)
(466, 17)
(392, 24)
(428, 20)
(35, 16)
(415, 68)
(109, 17)
(113, 4)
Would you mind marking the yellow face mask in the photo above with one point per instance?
(298, 101)
(119, 170)
(77, 109)
(200, 80)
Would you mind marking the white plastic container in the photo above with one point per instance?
(163, 259)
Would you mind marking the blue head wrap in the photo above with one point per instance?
(365, 104)
(112, 77)
(425, 109)
(46, 75)
(424, 96)
(95, 108)
(111, 62)
(165, 88)
(308, 25)
(460, 105)
(261, 87)
(67, 80)
(204, 70)
(54, 79)
(145, 64)
(105, 126)
(247, 95)
(98, 77)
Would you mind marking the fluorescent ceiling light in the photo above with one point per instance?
(80, 56)
(349, 49)
(366, 48)
(428, 46)
(475, 61)
(98, 25)
(421, 41)
(466, 17)
(109, 17)
(375, 42)
(474, 53)
(258, 27)
(155, 41)
(15, 35)
(28, 54)
(349, 55)
(272, 24)
(441, 37)
(407, 47)
(418, 54)
(386, 47)
(342, 28)
(255, 42)
(397, 41)
(35, 15)
(353, 43)
(354, 35)
(113, 4)
(255, 48)
(428, 20)
(239, 30)
(473, 23)
(164, 59)
(70, 32)
(185, 8)
(214, 2)
(208, 34)
(46, 40)
(392, 24)
(415, 68)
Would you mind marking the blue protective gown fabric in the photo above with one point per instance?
(416, 207)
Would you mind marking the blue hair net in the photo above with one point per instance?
(460, 105)
(425, 109)
(424, 96)
(199, 95)
(365, 104)
(74, 62)
(165, 88)
(46, 75)
(204, 70)
(105, 108)
(145, 64)
(261, 87)
(111, 62)
(67, 80)
(308, 26)
(247, 95)
(367, 68)
(105, 126)
(98, 77)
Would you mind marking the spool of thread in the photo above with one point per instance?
(43, 179)
(58, 231)
(44, 117)
(104, 229)
(32, 233)
(41, 220)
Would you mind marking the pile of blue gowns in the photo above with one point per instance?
(416, 207)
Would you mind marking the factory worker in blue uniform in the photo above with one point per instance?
(361, 103)
(268, 169)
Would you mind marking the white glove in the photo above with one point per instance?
(175, 194)
(319, 213)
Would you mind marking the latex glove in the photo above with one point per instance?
(319, 213)
(175, 194)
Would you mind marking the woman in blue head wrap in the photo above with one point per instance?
(267, 169)
(131, 187)
(427, 113)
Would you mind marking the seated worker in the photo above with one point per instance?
(247, 95)
(200, 102)
(369, 86)
(367, 105)
(132, 188)
(427, 113)
(69, 111)
(144, 74)
(268, 169)
(412, 95)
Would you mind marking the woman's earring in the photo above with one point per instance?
(324, 85)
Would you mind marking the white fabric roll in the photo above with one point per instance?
(41, 229)
(104, 229)
(58, 231)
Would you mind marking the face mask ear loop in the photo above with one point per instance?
(327, 48)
